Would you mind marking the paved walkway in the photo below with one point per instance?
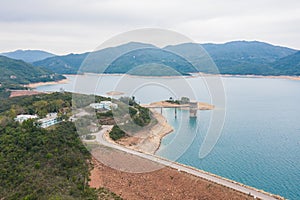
(199, 173)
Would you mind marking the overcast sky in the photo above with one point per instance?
(65, 26)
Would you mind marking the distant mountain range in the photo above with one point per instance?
(97, 62)
(19, 72)
(28, 55)
(68, 64)
(238, 57)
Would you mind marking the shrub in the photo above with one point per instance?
(116, 133)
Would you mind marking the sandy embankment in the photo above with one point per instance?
(164, 104)
(194, 75)
(204, 75)
(295, 78)
(205, 106)
(148, 139)
(114, 93)
(34, 85)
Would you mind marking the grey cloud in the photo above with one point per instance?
(88, 22)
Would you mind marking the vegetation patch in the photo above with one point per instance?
(183, 100)
(37, 163)
(116, 133)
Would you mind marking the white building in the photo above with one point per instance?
(96, 105)
(21, 118)
(108, 105)
(49, 120)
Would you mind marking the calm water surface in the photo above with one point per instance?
(260, 141)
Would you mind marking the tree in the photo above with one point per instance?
(40, 108)
(56, 105)
(116, 133)
(18, 109)
(185, 100)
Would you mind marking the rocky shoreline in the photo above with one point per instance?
(148, 140)
(35, 85)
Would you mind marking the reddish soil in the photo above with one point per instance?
(18, 93)
(158, 183)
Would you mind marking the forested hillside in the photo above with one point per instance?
(237, 57)
(37, 163)
(19, 72)
(288, 65)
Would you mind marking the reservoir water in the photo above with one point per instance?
(260, 141)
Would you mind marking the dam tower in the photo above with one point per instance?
(193, 108)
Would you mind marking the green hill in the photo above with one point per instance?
(99, 61)
(288, 65)
(150, 62)
(19, 72)
(195, 54)
(248, 50)
(238, 57)
(37, 163)
(68, 64)
(243, 57)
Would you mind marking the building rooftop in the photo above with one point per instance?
(48, 117)
(21, 118)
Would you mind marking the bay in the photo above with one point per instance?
(260, 141)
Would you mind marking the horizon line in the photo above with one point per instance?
(206, 43)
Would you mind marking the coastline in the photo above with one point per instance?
(147, 140)
(164, 104)
(193, 75)
(114, 93)
(143, 148)
(164, 183)
(200, 74)
(180, 170)
(295, 78)
(35, 85)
